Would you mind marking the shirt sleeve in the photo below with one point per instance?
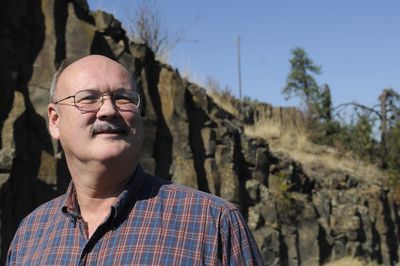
(11, 259)
(238, 246)
(17, 245)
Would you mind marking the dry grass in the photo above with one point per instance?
(224, 98)
(295, 143)
(348, 261)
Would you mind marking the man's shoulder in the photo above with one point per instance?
(44, 212)
(180, 194)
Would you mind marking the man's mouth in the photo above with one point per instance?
(109, 129)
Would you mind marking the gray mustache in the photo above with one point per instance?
(109, 128)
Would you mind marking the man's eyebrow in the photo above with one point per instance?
(126, 89)
(88, 89)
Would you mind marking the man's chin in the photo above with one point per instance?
(109, 157)
(111, 146)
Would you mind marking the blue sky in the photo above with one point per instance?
(356, 42)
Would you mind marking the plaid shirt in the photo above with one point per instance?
(153, 222)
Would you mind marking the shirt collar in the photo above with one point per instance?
(121, 205)
(126, 198)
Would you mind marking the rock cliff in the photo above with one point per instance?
(300, 214)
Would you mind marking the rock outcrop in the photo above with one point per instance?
(298, 216)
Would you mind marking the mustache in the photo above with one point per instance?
(110, 127)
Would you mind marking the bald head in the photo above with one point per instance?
(86, 62)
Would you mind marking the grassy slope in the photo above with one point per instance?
(294, 143)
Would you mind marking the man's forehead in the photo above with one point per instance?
(94, 62)
(91, 67)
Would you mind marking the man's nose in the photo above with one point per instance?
(108, 108)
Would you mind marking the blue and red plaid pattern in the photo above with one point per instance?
(153, 222)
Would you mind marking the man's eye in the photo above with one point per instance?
(88, 99)
(123, 98)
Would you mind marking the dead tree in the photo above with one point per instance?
(388, 114)
(388, 100)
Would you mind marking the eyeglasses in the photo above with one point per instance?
(92, 100)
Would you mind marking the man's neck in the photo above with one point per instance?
(101, 180)
(97, 189)
(94, 210)
(95, 205)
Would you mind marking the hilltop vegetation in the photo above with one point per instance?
(368, 137)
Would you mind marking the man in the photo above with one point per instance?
(114, 213)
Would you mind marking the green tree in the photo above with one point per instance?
(325, 103)
(393, 148)
(300, 81)
(389, 116)
(363, 144)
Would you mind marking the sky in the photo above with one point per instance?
(356, 43)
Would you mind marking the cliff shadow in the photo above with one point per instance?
(22, 32)
(197, 119)
(149, 74)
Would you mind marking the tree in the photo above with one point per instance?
(147, 26)
(387, 112)
(393, 148)
(300, 81)
(390, 117)
(363, 145)
(325, 104)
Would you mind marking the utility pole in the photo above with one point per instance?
(239, 67)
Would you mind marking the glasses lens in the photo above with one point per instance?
(88, 100)
(126, 100)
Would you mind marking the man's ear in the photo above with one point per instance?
(53, 116)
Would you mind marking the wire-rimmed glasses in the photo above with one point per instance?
(92, 100)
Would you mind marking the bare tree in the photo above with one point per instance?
(148, 27)
(387, 111)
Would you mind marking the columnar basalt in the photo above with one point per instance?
(298, 216)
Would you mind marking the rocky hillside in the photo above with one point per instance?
(302, 210)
